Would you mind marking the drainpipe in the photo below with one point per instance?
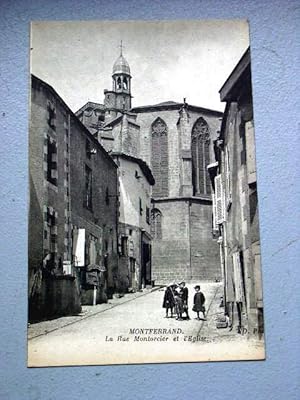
(224, 235)
(69, 191)
(190, 240)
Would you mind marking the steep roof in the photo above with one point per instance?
(144, 166)
(121, 66)
(39, 81)
(239, 77)
(90, 104)
(173, 105)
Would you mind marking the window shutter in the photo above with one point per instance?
(79, 247)
(219, 199)
(214, 225)
(228, 177)
(237, 273)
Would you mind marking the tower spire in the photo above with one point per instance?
(121, 48)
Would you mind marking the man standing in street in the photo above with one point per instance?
(184, 293)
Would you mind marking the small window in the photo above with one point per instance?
(107, 196)
(51, 161)
(156, 224)
(51, 115)
(119, 83)
(88, 188)
(141, 206)
(50, 235)
(124, 246)
(148, 215)
(88, 148)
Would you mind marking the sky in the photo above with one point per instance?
(169, 60)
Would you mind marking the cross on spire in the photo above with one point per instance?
(121, 48)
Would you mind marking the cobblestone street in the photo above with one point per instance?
(117, 333)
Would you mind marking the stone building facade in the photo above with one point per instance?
(94, 212)
(235, 200)
(70, 176)
(176, 141)
(135, 181)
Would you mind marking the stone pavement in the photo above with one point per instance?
(45, 327)
(134, 330)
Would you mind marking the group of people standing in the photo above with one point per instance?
(176, 301)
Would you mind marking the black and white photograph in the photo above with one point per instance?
(144, 242)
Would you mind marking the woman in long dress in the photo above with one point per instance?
(169, 301)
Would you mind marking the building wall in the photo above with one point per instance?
(171, 117)
(134, 192)
(133, 187)
(126, 137)
(44, 194)
(101, 219)
(186, 250)
(171, 253)
(54, 289)
(92, 116)
(48, 200)
(205, 264)
(241, 226)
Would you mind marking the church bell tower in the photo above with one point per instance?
(118, 100)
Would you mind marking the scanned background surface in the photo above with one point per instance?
(275, 67)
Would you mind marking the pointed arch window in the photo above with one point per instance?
(156, 221)
(119, 83)
(159, 159)
(200, 158)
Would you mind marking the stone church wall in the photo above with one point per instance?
(186, 250)
(171, 117)
(171, 253)
(205, 263)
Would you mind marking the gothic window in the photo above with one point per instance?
(159, 160)
(200, 158)
(125, 84)
(156, 220)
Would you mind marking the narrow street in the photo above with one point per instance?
(136, 331)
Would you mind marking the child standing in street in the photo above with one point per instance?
(178, 305)
(199, 300)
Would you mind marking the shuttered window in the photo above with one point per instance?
(214, 220)
(228, 178)
(238, 277)
(219, 200)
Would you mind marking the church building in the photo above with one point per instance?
(175, 140)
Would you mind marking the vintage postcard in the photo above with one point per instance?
(143, 219)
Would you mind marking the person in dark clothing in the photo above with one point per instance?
(199, 300)
(178, 305)
(169, 300)
(184, 293)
